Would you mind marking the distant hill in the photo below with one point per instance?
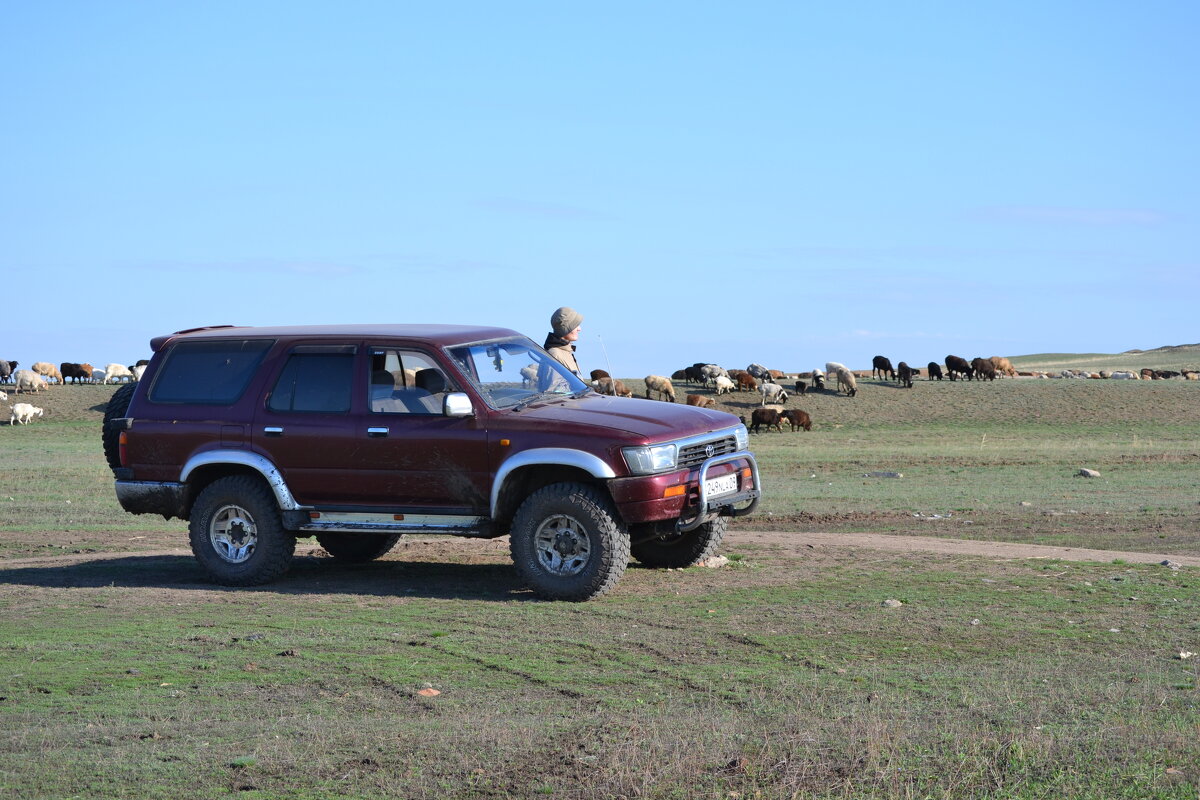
(1174, 357)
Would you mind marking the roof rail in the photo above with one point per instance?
(203, 328)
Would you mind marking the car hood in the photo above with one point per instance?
(648, 419)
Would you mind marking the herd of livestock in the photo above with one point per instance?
(43, 373)
(773, 386)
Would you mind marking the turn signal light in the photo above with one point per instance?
(674, 491)
(121, 440)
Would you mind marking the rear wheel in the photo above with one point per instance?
(567, 542)
(118, 404)
(237, 533)
(357, 547)
(678, 550)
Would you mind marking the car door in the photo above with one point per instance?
(413, 456)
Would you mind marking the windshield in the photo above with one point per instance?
(514, 372)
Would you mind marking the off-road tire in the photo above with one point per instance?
(679, 550)
(357, 548)
(239, 506)
(581, 520)
(118, 404)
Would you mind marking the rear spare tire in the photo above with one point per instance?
(568, 543)
(117, 406)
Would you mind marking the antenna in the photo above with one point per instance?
(606, 361)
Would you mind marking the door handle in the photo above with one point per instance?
(376, 433)
(273, 431)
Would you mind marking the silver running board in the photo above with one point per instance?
(350, 522)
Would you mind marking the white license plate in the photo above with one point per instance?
(715, 487)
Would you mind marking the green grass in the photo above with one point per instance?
(782, 675)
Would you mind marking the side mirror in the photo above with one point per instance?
(457, 404)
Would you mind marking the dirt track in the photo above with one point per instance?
(788, 540)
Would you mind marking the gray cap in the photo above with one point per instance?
(565, 320)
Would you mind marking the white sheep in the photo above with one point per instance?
(24, 413)
(773, 392)
(139, 371)
(712, 371)
(3, 397)
(27, 380)
(723, 384)
(759, 372)
(113, 372)
(831, 367)
(1125, 375)
(846, 380)
(657, 383)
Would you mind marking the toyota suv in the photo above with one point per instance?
(358, 434)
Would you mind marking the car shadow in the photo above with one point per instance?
(308, 576)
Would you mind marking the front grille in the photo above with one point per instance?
(693, 455)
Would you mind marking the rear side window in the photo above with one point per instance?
(208, 373)
(315, 379)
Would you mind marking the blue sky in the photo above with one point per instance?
(784, 183)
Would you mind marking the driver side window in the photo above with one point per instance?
(405, 382)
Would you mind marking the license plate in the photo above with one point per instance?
(715, 487)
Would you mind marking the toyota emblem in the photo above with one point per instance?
(709, 450)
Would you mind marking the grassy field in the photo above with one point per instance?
(432, 673)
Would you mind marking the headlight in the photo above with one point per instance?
(650, 459)
(743, 438)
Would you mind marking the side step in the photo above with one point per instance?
(360, 522)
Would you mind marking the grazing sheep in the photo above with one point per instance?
(75, 372)
(712, 370)
(746, 382)
(773, 393)
(722, 384)
(766, 416)
(818, 380)
(904, 374)
(694, 374)
(883, 366)
(1124, 375)
(797, 418)
(28, 381)
(831, 367)
(24, 413)
(113, 372)
(138, 371)
(984, 368)
(759, 371)
(614, 386)
(47, 371)
(777, 375)
(529, 376)
(1003, 366)
(659, 385)
(959, 366)
(845, 380)
(700, 401)
(801, 387)
(935, 370)
(6, 370)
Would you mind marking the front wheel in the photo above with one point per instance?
(568, 543)
(357, 548)
(237, 534)
(678, 550)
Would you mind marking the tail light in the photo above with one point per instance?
(121, 441)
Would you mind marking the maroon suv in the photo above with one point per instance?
(358, 434)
